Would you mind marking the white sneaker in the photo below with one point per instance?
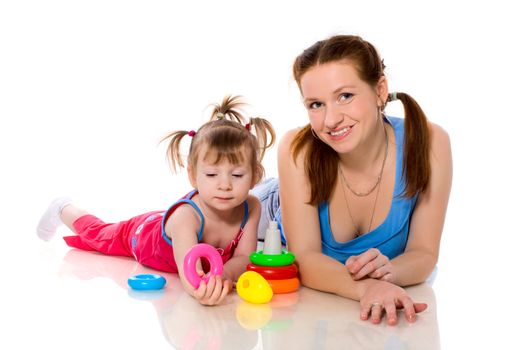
(50, 221)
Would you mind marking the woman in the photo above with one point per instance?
(362, 196)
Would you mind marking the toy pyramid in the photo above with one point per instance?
(275, 264)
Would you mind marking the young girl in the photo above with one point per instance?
(224, 163)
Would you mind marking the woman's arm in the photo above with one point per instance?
(301, 226)
(319, 271)
(426, 226)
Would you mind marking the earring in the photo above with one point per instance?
(381, 112)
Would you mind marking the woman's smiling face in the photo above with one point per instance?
(343, 109)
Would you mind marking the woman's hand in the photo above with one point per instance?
(371, 264)
(213, 292)
(386, 298)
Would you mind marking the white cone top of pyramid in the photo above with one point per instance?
(272, 241)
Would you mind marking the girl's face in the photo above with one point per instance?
(222, 185)
(343, 109)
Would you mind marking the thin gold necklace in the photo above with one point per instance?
(357, 232)
(366, 193)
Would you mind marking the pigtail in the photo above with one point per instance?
(321, 164)
(264, 133)
(226, 136)
(229, 108)
(416, 155)
(173, 155)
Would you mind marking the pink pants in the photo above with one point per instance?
(139, 237)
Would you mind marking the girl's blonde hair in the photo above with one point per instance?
(227, 135)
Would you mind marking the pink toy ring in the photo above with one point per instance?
(201, 250)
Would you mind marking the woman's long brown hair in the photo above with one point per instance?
(321, 161)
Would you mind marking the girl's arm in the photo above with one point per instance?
(247, 244)
(182, 226)
(319, 271)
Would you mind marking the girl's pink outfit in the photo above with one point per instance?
(142, 237)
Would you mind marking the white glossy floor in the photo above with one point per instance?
(80, 300)
(53, 297)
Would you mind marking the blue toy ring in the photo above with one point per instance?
(146, 282)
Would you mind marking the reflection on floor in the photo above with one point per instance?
(306, 319)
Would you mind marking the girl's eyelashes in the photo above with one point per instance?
(238, 175)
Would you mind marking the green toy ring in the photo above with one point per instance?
(283, 259)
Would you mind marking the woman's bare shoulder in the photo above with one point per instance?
(439, 135)
(288, 137)
(285, 146)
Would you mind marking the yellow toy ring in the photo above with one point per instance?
(283, 259)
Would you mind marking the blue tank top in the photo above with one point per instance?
(391, 236)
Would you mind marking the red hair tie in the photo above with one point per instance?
(248, 126)
(191, 133)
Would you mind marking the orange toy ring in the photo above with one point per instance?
(284, 286)
(274, 272)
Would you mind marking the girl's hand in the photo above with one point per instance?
(371, 264)
(213, 292)
(386, 298)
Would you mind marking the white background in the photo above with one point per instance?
(88, 88)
